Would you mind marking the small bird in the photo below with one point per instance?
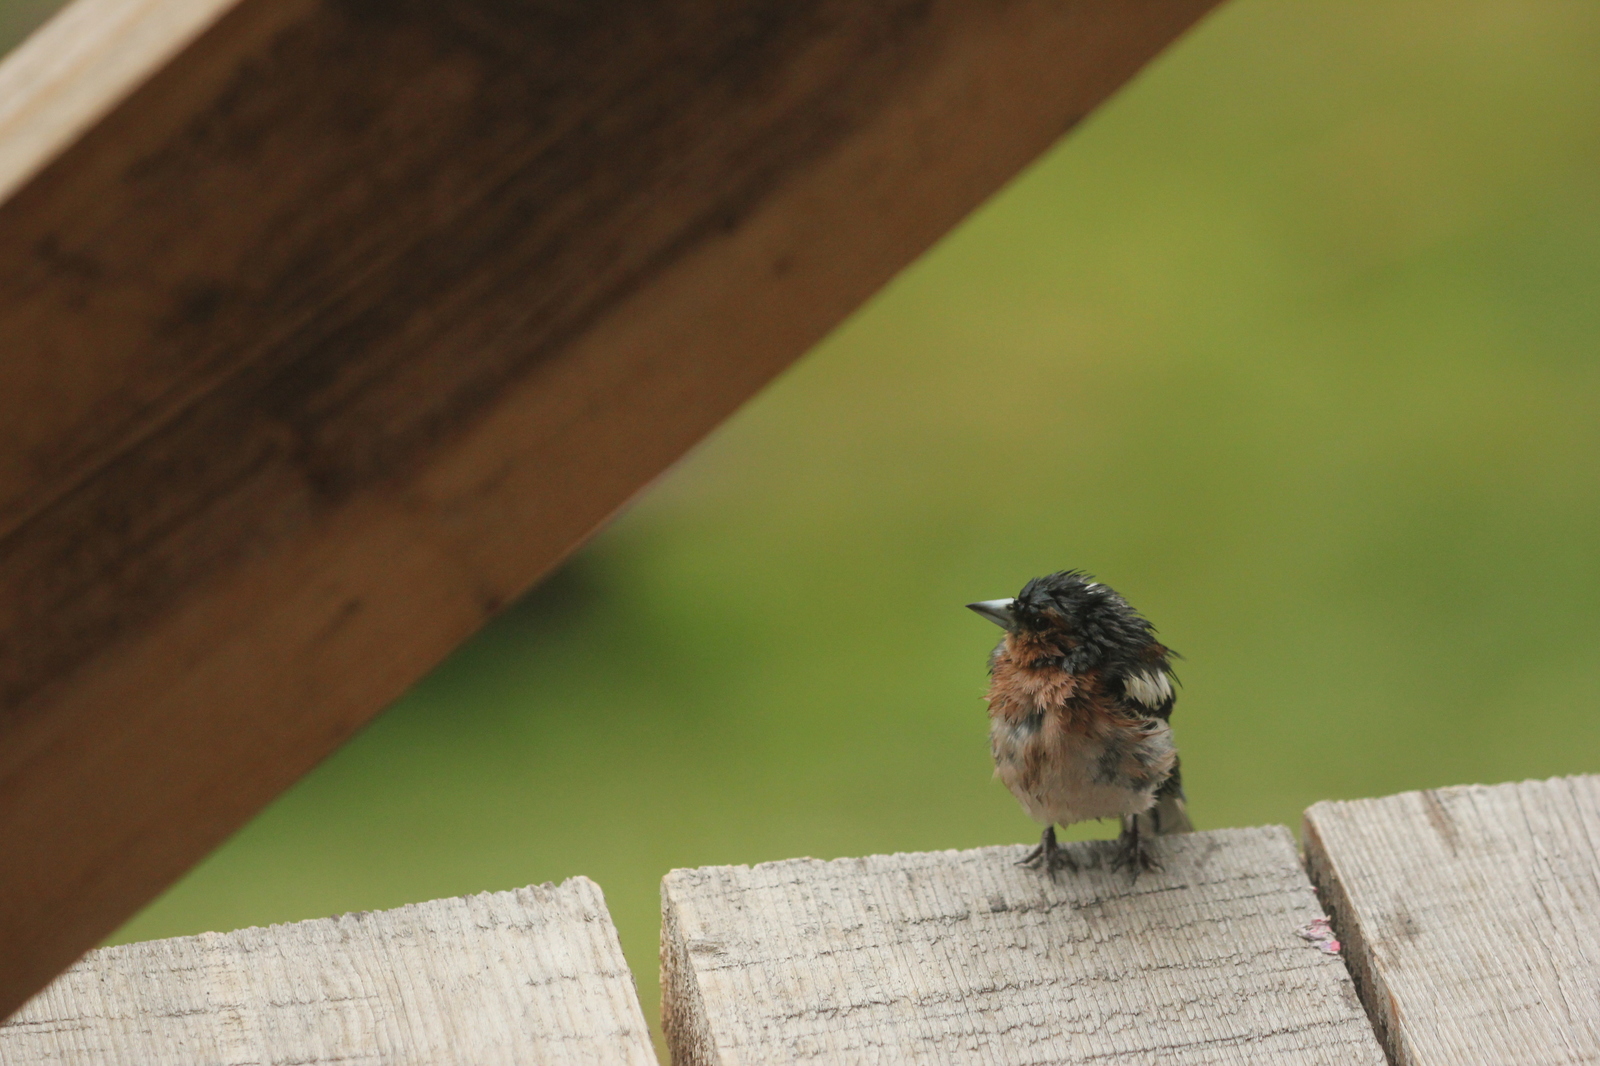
(1079, 697)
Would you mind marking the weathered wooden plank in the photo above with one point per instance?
(1469, 916)
(530, 976)
(329, 325)
(962, 957)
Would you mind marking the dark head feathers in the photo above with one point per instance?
(1100, 628)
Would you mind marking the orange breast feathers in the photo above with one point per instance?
(1025, 678)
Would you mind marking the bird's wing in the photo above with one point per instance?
(1147, 690)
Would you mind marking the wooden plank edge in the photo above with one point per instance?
(73, 70)
(1375, 996)
(683, 1010)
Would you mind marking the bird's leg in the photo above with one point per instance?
(1041, 854)
(1049, 855)
(1130, 852)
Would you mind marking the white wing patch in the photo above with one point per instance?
(1152, 690)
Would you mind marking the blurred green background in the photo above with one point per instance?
(1293, 343)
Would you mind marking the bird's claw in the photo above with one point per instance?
(1131, 854)
(1049, 856)
(1037, 859)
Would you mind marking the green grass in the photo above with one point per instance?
(1294, 344)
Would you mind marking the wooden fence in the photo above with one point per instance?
(1466, 918)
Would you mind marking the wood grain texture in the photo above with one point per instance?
(342, 321)
(534, 976)
(1469, 916)
(962, 957)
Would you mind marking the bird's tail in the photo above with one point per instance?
(1170, 814)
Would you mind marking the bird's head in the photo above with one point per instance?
(1087, 623)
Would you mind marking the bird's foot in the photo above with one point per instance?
(1131, 853)
(1049, 856)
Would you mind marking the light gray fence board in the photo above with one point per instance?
(962, 957)
(1471, 917)
(533, 976)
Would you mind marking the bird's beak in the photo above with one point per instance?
(996, 611)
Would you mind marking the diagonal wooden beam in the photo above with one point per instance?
(328, 326)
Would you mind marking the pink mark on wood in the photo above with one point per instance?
(1320, 932)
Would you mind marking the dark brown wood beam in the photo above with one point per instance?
(329, 326)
